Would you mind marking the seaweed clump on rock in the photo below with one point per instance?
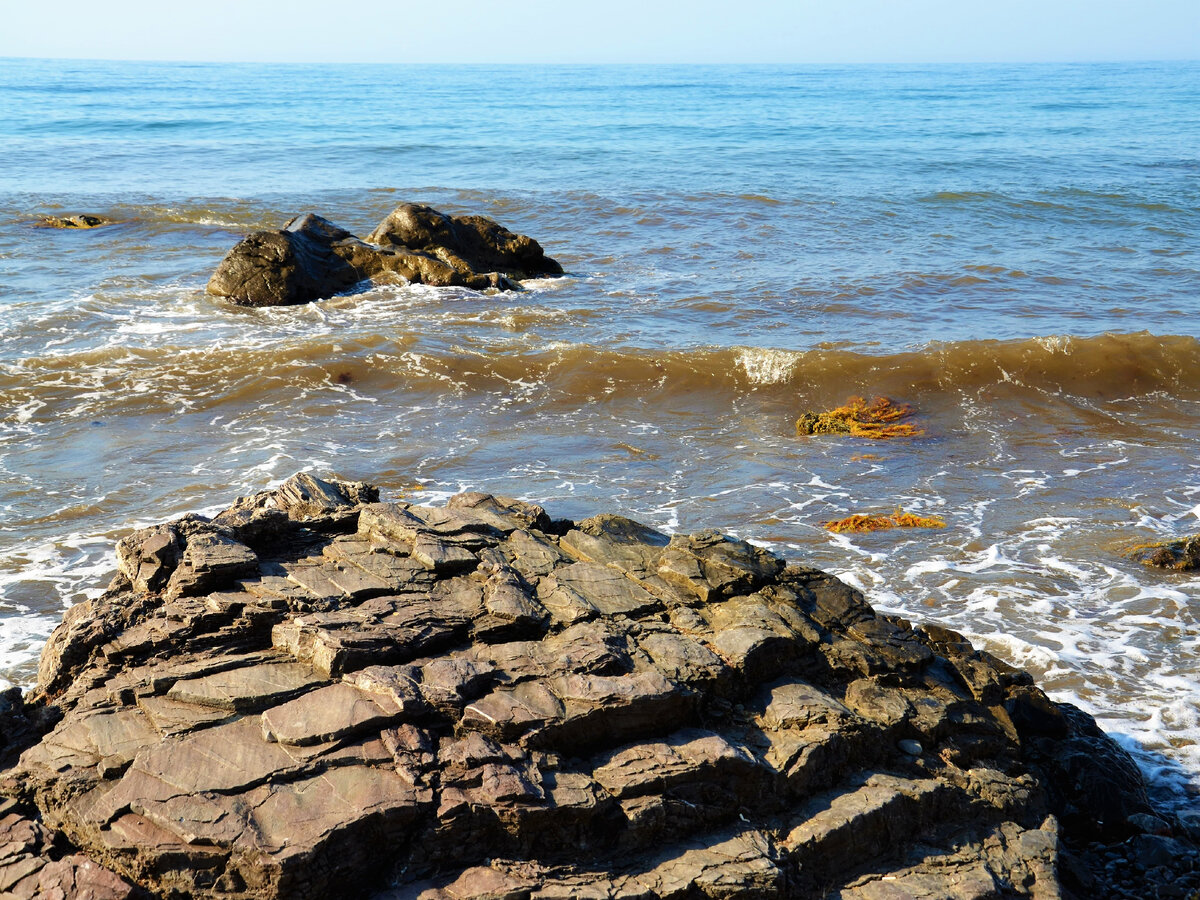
(317, 694)
(1182, 555)
(310, 258)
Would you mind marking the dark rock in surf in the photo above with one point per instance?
(1182, 555)
(317, 694)
(77, 221)
(279, 268)
(311, 258)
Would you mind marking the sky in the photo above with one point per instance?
(604, 31)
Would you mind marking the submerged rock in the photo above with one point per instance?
(311, 258)
(79, 220)
(317, 694)
(1182, 555)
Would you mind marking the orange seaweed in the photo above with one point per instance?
(861, 523)
(880, 419)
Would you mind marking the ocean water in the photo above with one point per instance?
(1010, 249)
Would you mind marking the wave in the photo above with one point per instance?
(114, 380)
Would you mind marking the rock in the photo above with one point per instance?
(148, 557)
(311, 258)
(1097, 786)
(1148, 824)
(1189, 823)
(78, 220)
(319, 694)
(912, 748)
(297, 264)
(34, 862)
(467, 243)
(1182, 555)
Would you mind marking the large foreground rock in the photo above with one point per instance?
(311, 258)
(315, 694)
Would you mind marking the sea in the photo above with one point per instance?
(1012, 250)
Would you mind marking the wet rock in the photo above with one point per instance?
(296, 264)
(1182, 555)
(311, 258)
(1097, 785)
(77, 220)
(319, 694)
(467, 243)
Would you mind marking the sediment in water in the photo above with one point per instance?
(318, 693)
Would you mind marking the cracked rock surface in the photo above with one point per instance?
(315, 694)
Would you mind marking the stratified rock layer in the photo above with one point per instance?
(311, 258)
(315, 694)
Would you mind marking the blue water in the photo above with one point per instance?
(1011, 249)
(1081, 179)
(821, 133)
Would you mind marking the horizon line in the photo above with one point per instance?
(612, 63)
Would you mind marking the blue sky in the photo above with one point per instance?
(501, 31)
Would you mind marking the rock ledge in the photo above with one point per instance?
(316, 694)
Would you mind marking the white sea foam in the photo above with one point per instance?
(23, 413)
(545, 284)
(768, 366)
(37, 580)
(22, 636)
(1088, 630)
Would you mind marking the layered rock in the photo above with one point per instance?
(316, 694)
(311, 258)
(35, 863)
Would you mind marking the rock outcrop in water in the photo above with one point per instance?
(315, 694)
(1182, 555)
(311, 258)
(76, 220)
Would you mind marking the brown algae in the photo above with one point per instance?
(880, 419)
(862, 523)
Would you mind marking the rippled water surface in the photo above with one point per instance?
(1012, 250)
